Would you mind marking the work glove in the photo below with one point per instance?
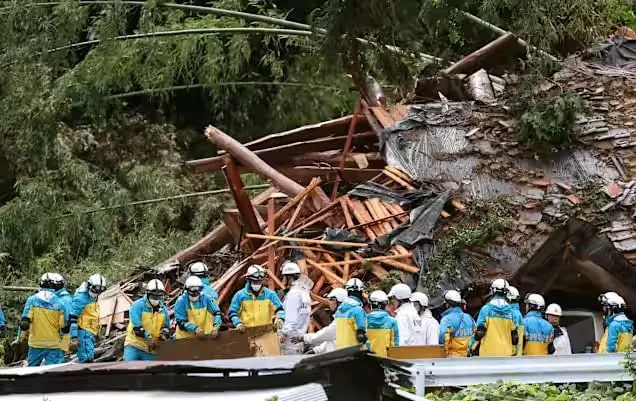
(278, 323)
(164, 334)
(199, 332)
(152, 343)
(215, 332)
(73, 344)
(241, 328)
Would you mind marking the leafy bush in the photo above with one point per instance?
(549, 123)
(542, 392)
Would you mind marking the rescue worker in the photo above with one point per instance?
(200, 269)
(84, 318)
(513, 298)
(382, 327)
(324, 340)
(408, 320)
(42, 321)
(350, 317)
(456, 327)
(619, 329)
(430, 325)
(496, 333)
(297, 307)
(538, 331)
(59, 285)
(195, 312)
(255, 304)
(3, 330)
(149, 324)
(561, 338)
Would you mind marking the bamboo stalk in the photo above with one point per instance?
(157, 200)
(307, 240)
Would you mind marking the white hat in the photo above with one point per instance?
(554, 309)
(378, 296)
(340, 294)
(400, 291)
(420, 297)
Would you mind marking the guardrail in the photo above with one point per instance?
(578, 368)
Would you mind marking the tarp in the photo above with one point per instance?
(619, 51)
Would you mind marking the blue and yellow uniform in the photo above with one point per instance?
(145, 325)
(382, 331)
(44, 316)
(539, 334)
(519, 321)
(209, 290)
(202, 313)
(66, 300)
(618, 334)
(497, 319)
(84, 323)
(455, 331)
(255, 309)
(350, 319)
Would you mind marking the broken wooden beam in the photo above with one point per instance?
(347, 146)
(309, 241)
(483, 57)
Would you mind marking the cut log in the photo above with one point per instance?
(484, 57)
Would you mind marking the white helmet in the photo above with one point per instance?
(613, 299)
(499, 286)
(56, 280)
(96, 283)
(354, 284)
(199, 269)
(607, 296)
(513, 294)
(453, 297)
(535, 300)
(155, 287)
(420, 297)
(400, 291)
(340, 294)
(255, 273)
(193, 282)
(290, 268)
(47, 281)
(554, 309)
(378, 297)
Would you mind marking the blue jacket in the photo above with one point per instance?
(255, 309)
(382, 331)
(455, 330)
(66, 300)
(618, 334)
(519, 321)
(350, 318)
(539, 333)
(497, 317)
(3, 321)
(202, 313)
(209, 290)
(48, 316)
(151, 320)
(84, 312)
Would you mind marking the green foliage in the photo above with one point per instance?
(543, 392)
(485, 222)
(550, 122)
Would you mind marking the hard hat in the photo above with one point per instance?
(155, 287)
(453, 296)
(193, 282)
(605, 297)
(420, 297)
(47, 280)
(499, 286)
(199, 269)
(513, 294)
(354, 284)
(554, 309)
(535, 300)
(97, 283)
(290, 268)
(400, 291)
(378, 297)
(57, 280)
(340, 294)
(255, 273)
(613, 299)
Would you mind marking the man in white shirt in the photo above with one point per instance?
(408, 320)
(297, 307)
(561, 340)
(430, 325)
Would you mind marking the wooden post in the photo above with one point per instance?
(250, 222)
(271, 253)
(347, 147)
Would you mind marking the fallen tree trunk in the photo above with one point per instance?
(480, 58)
(605, 281)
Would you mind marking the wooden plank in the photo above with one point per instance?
(399, 173)
(228, 345)
(296, 199)
(271, 252)
(398, 180)
(331, 277)
(345, 210)
(365, 217)
(360, 219)
(416, 352)
(345, 268)
(360, 259)
(308, 241)
(402, 266)
(347, 145)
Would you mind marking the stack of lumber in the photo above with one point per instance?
(295, 226)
